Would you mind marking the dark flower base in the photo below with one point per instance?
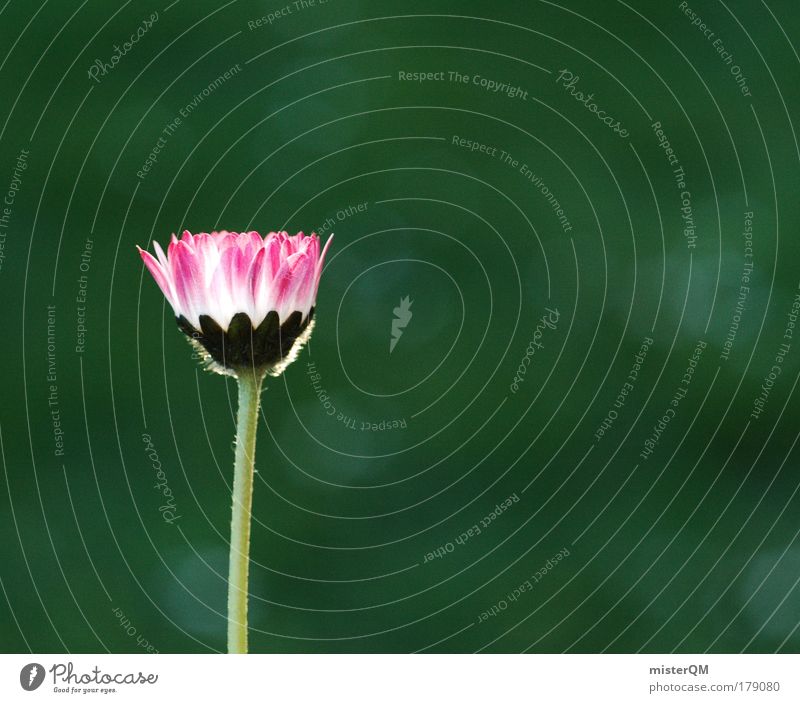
(242, 347)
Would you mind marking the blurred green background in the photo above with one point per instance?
(361, 536)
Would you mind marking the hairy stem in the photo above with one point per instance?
(239, 566)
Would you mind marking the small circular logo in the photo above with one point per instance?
(31, 676)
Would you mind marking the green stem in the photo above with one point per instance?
(246, 427)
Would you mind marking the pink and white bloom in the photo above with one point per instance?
(243, 298)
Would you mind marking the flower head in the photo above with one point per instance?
(245, 301)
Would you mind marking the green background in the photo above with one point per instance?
(691, 549)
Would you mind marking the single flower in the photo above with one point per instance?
(247, 303)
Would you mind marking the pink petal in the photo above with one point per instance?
(273, 255)
(283, 281)
(161, 258)
(159, 274)
(302, 296)
(259, 275)
(318, 268)
(324, 251)
(189, 285)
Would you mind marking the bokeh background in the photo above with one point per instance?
(373, 466)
